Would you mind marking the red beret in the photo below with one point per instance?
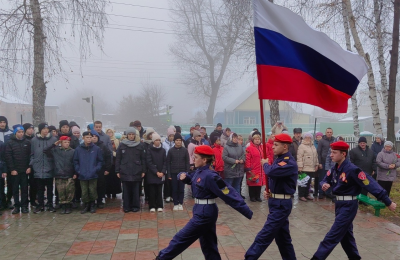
(204, 149)
(192, 128)
(65, 138)
(283, 138)
(340, 145)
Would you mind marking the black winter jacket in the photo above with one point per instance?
(365, 160)
(323, 148)
(3, 164)
(377, 148)
(107, 155)
(63, 161)
(18, 153)
(177, 160)
(130, 162)
(156, 162)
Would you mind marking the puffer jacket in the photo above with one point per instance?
(17, 154)
(218, 163)
(63, 161)
(231, 153)
(177, 160)
(156, 162)
(255, 175)
(383, 160)
(43, 166)
(130, 162)
(88, 161)
(307, 157)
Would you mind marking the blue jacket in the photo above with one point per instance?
(88, 161)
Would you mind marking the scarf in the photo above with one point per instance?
(130, 143)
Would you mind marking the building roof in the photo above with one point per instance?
(243, 97)
(10, 99)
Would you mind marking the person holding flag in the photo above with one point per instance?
(282, 179)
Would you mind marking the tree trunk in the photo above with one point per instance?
(274, 111)
(39, 91)
(371, 79)
(211, 105)
(354, 105)
(381, 57)
(394, 59)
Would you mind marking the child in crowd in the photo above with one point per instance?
(218, 162)
(130, 166)
(88, 161)
(64, 171)
(194, 142)
(156, 163)
(177, 161)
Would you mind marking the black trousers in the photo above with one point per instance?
(9, 188)
(178, 189)
(3, 199)
(32, 187)
(130, 195)
(78, 191)
(155, 196)
(101, 186)
(387, 185)
(254, 192)
(304, 191)
(167, 188)
(42, 185)
(20, 181)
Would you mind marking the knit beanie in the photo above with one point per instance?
(75, 129)
(219, 125)
(42, 126)
(51, 128)
(388, 143)
(17, 128)
(178, 129)
(177, 136)
(27, 126)
(3, 118)
(362, 139)
(319, 134)
(196, 133)
(379, 136)
(155, 136)
(63, 123)
(170, 131)
(73, 123)
(131, 130)
(307, 135)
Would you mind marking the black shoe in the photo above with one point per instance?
(34, 204)
(62, 207)
(92, 207)
(100, 205)
(51, 209)
(10, 205)
(16, 210)
(38, 209)
(258, 199)
(126, 210)
(67, 209)
(135, 209)
(86, 208)
(252, 199)
(25, 210)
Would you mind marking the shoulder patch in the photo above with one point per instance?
(198, 180)
(225, 190)
(282, 163)
(328, 173)
(362, 176)
(366, 182)
(286, 158)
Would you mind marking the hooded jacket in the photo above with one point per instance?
(232, 152)
(43, 166)
(5, 133)
(130, 162)
(383, 160)
(156, 162)
(307, 157)
(255, 175)
(63, 161)
(191, 147)
(17, 154)
(88, 161)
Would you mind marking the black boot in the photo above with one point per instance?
(67, 208)
(92, 207)
(16, 210)
(86, 209)
(62, 207)
(38, 209)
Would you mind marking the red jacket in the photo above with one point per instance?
(253, 167)
(218, 163)
(270, 152)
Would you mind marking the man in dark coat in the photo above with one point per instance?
(5, 134)
(217, 133)
(322, 150)
(29, 134)
(296, 142)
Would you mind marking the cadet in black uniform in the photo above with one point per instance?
(207, 185)
(346, 180)
(282, 179)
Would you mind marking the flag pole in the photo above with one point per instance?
(263, 136)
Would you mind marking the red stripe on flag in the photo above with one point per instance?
(279, 83)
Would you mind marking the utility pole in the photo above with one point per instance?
(88, 100)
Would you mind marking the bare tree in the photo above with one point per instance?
(208, 33)
(33, 34)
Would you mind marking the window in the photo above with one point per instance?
(249, 120)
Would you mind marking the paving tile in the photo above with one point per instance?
(123, 255)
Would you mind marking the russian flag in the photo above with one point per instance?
(297, 63)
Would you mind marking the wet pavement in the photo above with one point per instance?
(113, 234)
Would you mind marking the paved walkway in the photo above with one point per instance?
(111, 234)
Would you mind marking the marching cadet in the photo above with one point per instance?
(207, 185)
(282, 181)
(346, 180)
(64, 171)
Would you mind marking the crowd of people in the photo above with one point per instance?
(89, 165)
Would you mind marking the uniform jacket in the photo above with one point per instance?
(43, 166)
(88, 161)
(323, 147)
(218, 162)
(294, 147)
(156, 162)
(207, 184)
(282, 174)
(365, 160)
(307, 157)
(255, 175)
(348, 179)
(177, 160)
(130, 162)
(107, 156)
(231, 153)
(383, 160)
(17, 154)
(377, 147)
(63, 161)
